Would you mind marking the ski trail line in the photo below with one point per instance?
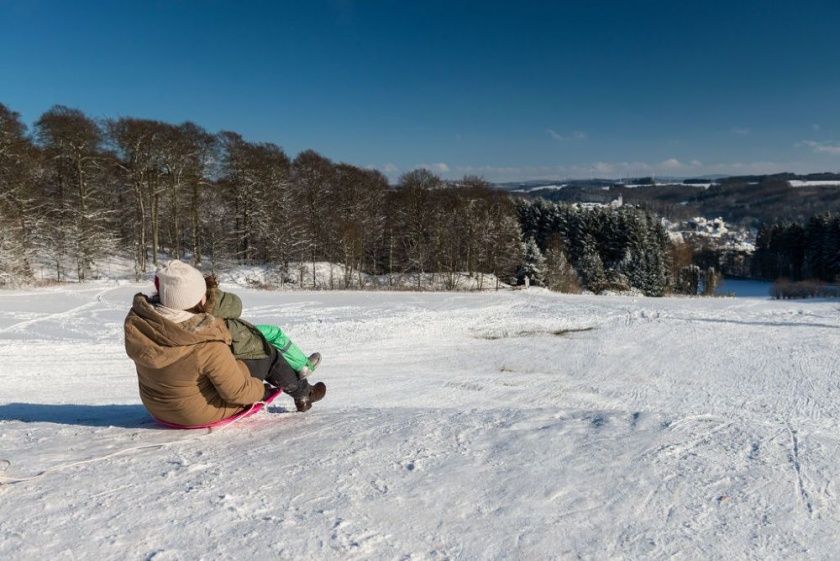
(793, 456)
(4, 481)
(98, 299)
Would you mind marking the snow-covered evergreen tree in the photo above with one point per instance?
(533, 263)
(590, 267)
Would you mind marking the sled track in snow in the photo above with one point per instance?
(6, 481)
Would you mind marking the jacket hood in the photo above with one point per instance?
(156, 342)
(225, 305)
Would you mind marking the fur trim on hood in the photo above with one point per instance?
(154, 341)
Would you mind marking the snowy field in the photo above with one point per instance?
(511, 425)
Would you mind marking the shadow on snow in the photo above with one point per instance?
(125, 416)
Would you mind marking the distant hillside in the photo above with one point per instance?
(747, 200)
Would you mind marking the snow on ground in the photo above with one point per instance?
(296, 275)
(821, 183)
(534, 188)
(510, 425)
(334, 276)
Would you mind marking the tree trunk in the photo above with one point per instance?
(84, 237)
(313, 265)
(391, 260)
(176, 221)
(140, 240)
(196, 242)
(155, 224)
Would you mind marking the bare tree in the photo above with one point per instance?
(74, 158)
(178, 190)
(136, 142)
(502, 240)
(186, 152)
(357, 224)
(284, 223)
(18, 201)
(313, 183)
(414, 220)
(256, 178)
(560, 276)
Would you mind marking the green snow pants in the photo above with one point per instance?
(279, 340)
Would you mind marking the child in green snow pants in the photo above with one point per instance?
(248, 341)
(291, 352)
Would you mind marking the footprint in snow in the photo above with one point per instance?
(380, 486)
(162, 555)
(598, 421)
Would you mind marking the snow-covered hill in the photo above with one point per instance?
(510, 425)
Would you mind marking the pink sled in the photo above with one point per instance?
(250, 410)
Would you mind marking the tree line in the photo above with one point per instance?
(75, 190)
(797, 251)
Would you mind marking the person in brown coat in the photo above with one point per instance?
(186, 371)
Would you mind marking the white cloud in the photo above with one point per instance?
(574, 135)
(603, 167)
(741, 131)
(671, 164)
(554, 134)
(819, 147)
(439, 167)
(388, 169)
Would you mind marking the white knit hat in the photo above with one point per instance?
(179, 285)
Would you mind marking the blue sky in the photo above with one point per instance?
(507, 90)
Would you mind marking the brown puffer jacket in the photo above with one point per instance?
(186, 371)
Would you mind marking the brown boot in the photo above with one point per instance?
(316, 393)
